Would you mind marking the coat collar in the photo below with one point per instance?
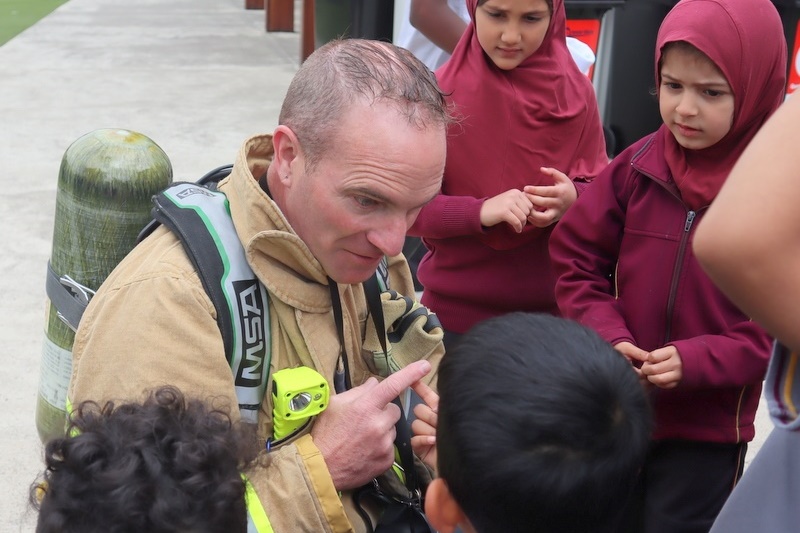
(649, 158)
(276, 254)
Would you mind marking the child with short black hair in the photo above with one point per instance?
(625, 264)
(542, 427)
(168, 464)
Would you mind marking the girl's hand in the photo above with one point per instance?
(550, 202)
(664, 367)
(512, 206)
(423, 443)
(635, 355)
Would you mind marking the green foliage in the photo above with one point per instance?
(18, 15)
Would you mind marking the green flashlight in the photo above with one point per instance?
(297, 395)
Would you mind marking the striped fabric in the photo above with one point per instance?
(782, 388)
(257, 521)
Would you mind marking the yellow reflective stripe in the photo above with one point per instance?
(398, 469)
(255, 509)
(40, 491)
(74, 431)
(788, 385)
(399, 472)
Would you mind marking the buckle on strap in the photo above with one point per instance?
(69, 297)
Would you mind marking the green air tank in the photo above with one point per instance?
(103, 200)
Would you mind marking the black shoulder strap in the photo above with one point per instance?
(372, 290)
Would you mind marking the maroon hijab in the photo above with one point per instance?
(744, 38)
(542, 113)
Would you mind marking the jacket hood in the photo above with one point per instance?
(744, 39)
(543, 113)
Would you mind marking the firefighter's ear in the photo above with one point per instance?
(442, 510)
(288, 154)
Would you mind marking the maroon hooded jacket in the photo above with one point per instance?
(625, 267)
(622, 254)
(512, 122)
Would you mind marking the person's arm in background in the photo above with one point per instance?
(749, 241)
(436, 21)
(446, 216)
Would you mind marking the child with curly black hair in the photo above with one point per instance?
(168, 464)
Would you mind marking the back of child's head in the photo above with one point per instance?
(542, 427)
(168, 464)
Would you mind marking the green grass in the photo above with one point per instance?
(18, 15)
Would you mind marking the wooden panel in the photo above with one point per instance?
(307, 30)
(254, 4)
(280, 15)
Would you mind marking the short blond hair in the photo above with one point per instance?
(347, 71)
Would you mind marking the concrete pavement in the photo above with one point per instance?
(196, 76)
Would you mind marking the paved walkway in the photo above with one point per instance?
(196, 76)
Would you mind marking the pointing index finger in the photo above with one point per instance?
(391, 387)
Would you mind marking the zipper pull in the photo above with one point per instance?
(689, 219)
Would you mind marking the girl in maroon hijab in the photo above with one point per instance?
(529, 138)
(625, 265)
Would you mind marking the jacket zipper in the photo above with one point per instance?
(676, 271)
(687, 226)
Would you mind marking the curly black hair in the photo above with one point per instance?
(168, 464)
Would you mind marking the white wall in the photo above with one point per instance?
(400, 11)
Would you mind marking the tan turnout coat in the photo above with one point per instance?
(152, 324)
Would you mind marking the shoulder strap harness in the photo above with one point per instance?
(200, 217)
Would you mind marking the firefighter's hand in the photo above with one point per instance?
(424, 426)
(356, 433)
